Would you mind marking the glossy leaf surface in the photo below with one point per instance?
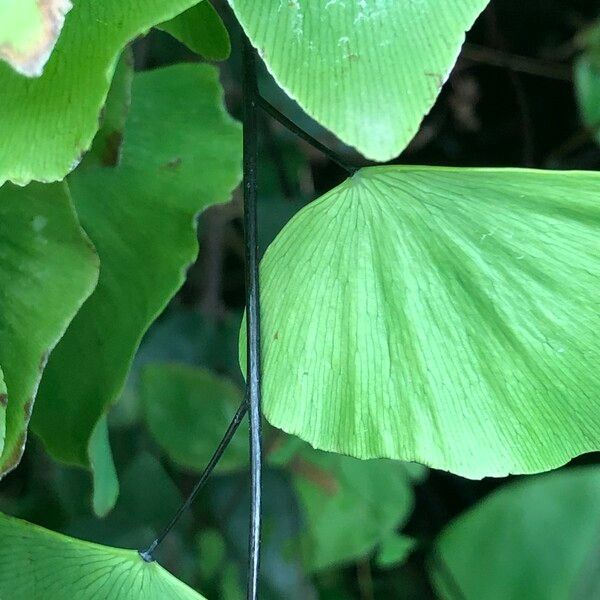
(60, 109)
(141, 216)
(48, 267)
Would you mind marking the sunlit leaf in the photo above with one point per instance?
(47, 269)
(28, 31)
(201, 29)
(181, 153)
(59, 111)
(537, 538)
(438, 315)
(368, 70)
(37, 563)
(188, 410)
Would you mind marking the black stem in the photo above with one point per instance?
(253, 373)
(288, 124)
(148, 554)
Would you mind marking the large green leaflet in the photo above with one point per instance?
(187, 411)
(437, 315)
(349, 506)
(48, 123)
(534, 539)
(28, 31)
(141, 217)
(38, 564)
(369, 70)
(47, 269)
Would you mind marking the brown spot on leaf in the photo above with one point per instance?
(43, 361)
(8, 463)
(321, 478)
(3, 400)
(30, 60)
(173, 164)
(27, 408)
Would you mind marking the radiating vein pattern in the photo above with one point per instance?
(38, 564)
(369, 70)
(442, 316)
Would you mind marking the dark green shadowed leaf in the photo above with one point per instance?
(3, 404)
(587, 80)
(394, 550)
(201, 29)
(368, 70)
(141, 216)
(537, 538)
(188, 410)
(438, 315)
(39, 564)
(48, 267)
(60, 109)
(106, 147)
(28, 31)
(348, 505)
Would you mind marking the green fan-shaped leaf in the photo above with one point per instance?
(141, 217)
(38, 564)
(28, 31)
(534, 539)
(47, 269)
(60, 109)
(369, 70)
(202, 30)
(439, 315)
(188, 410)
(349, 506)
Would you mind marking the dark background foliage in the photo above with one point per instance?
(509, 102)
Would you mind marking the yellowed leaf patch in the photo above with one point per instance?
(28, 32)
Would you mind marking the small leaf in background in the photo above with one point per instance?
(28, 31)
(282, 574)
(201, 29)
(141, 217)
(369, 71)
(3, 404)
(182, 336)
(188, 410)
(587, 80)
(349, 506)
(37, 563)
(105, 481)
(455, 316)
(394, 550)
(48, 267)
(212, 551)
(60, 109)
(537, 538)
